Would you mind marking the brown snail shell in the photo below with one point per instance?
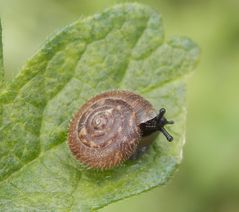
(107, 129)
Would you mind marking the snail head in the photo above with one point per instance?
(157, 124)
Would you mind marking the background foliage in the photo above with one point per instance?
(208, 177)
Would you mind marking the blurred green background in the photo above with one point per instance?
(208, 179)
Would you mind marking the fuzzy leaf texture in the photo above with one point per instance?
(121, 48)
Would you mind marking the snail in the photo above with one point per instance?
(112, 127)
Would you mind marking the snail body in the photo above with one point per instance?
(110, 128)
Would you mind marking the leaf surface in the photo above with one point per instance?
(122, 47)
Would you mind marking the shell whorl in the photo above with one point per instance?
(105, 131)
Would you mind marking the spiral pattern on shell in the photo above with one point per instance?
(105, 132)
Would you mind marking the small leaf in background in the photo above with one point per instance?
(122, 47)
(1, 71)
(1, 58)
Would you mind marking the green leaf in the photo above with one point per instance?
(122, 47)
(1, 58)
(1, 72)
